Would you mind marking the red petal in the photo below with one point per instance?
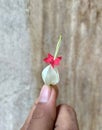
(49, 55)
(57, 60)
(50, 59)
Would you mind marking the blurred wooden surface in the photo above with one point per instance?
(80, 23)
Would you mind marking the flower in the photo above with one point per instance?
(50, 75)
(50, 59)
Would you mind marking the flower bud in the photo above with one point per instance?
(50, 75)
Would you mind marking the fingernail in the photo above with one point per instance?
(45, 94)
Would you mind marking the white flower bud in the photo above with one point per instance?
(50, 75)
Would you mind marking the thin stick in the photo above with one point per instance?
(58, 46)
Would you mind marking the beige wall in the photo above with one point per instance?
(80, 23)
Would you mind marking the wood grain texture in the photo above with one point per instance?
(80, 23)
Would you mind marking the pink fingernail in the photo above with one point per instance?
(45, 94)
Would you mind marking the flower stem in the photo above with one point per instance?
(58, 46)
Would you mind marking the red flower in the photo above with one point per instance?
(50, 59)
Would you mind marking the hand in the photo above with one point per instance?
(46, 116)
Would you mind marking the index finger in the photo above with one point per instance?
(66, 118)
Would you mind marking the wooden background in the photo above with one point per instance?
(80, 23)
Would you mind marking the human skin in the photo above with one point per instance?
(46, 115)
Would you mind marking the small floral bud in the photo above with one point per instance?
(50, 75)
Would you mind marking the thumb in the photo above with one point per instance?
(44, 114)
